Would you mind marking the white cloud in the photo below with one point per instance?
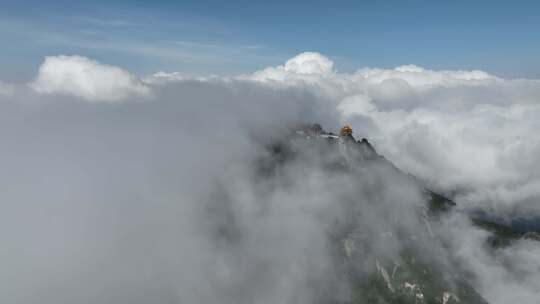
(465, 131)
(308, 64)
(86, 78)
(356, 105)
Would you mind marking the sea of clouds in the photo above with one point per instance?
(469, 134)
(121, 189)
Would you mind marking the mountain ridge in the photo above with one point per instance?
(412, 275)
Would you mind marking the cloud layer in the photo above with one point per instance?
(152, 198)
(467, 133)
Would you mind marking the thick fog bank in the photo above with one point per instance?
(122, 190)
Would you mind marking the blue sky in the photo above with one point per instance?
(231, 37)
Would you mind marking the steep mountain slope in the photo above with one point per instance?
(385, 245)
